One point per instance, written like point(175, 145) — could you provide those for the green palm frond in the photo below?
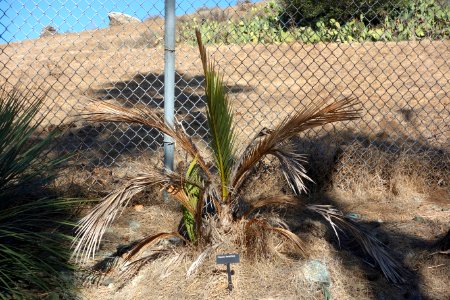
point(193, 193)
point(220, 119)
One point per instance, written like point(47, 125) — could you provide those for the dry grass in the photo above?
point(266, 277)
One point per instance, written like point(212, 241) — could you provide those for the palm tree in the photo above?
point(213, 193)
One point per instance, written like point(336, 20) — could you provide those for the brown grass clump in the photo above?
point(374, 173)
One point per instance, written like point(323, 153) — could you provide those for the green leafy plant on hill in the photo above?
point(213, 204)
point(415, 20)
point(33, 249)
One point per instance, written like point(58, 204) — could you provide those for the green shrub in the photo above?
point(308, 12)
point(418, 19)
point(33, 252)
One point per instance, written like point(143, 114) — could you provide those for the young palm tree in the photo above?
point(212, 194)
point(33, 251)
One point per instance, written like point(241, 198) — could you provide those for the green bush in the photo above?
point(418, 19)
point(33, 249)
point(309, 12)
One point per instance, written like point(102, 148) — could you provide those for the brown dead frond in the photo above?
point(133, 268)
point(93, 226)
point(272, 200)
point(392, 269)
point(310, 117)
point(256, 231)
point(148, 242)
point(292, 166)
point(108, 112)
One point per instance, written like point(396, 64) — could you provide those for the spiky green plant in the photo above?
point(33, 251)
point(213, 195)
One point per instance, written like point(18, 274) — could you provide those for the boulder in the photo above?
point(48, 31)
point(116, 18)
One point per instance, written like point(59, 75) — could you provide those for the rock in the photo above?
point(353, 216)
point(419, 219)
point(108, 281)
point(134, 225)
point(48, 31)
point(138, 207)
point(117, 18)
point(316, 271)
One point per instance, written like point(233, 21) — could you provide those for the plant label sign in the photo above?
point(228, 259)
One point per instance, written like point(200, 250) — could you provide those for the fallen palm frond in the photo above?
point(264, 224)
point(310, 117)
point(391, 268)
point(134, 267)
point(108, 112)
point(148, 242)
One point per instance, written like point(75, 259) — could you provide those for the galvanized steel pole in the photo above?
point(169, 79)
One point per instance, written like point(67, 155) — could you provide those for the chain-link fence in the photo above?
point(276, 56)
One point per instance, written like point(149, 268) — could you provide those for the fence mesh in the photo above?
point(277, 57)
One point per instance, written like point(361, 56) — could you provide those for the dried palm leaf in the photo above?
point(292, 166)
point(310, 117)
point(199, 261)
point(391, 268)
point(273, 200)
point(264, 224)
point(93, 226)
point(220, 119)
point(147, 242)
point(133, 268)
point(108, 112)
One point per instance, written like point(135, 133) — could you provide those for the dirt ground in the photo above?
point(391, 167)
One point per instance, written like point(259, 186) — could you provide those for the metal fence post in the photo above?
point(169, 79)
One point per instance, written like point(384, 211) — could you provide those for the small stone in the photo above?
point(353, 216)
point(138, 207)
point(316, 271)
point(108, 282)
point(419, 219)
point(134, 225)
